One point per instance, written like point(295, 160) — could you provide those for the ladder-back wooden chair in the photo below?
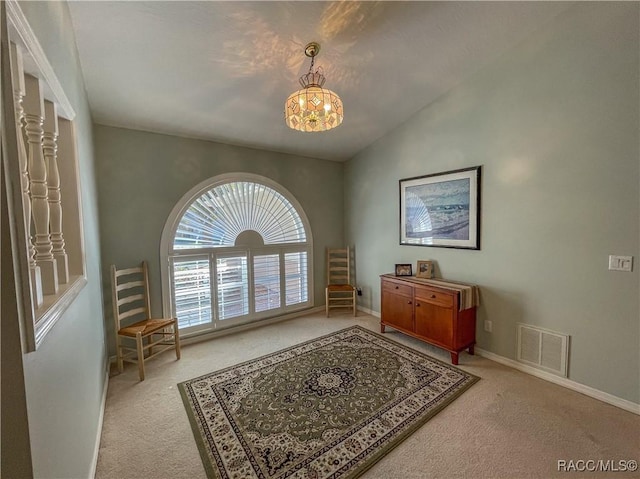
point(130, 288)
point(339, 293)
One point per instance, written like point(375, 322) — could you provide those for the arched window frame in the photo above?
point(167, 252)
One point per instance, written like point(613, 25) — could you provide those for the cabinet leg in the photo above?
point(454, 358)
point(471, 349)
point(381, 328)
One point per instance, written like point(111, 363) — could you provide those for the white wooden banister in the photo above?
point(17, 72)
point(45, 172)
point(50, 149)
point(34, 116)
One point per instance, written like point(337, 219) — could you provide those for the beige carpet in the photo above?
point(509, 425)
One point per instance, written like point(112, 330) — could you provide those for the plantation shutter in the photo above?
point(266, 278)
point(233, 288)
point(192, 291)
point(295, 266)
point(240, 252)
point(217, 218)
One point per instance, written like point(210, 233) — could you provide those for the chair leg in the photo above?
point(176, 338)
point(140, 355)
point(119, 354)
point(326, 298)
point(354, 302)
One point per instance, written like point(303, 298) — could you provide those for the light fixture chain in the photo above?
point(313, 59)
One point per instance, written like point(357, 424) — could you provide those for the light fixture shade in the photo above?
point(313, 109)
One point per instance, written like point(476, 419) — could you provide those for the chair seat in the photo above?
point(340, 287)
point(131, 302)
point(145, 327)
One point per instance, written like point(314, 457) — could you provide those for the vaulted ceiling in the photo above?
point(222, 71)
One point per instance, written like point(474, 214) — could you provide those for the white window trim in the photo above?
point(178, 211)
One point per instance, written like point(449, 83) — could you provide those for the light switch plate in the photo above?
point(620, 263)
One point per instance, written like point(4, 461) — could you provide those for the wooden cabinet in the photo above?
point(428, 312)
point(397, 305)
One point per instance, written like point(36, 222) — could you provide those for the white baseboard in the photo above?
point(567, 383)
point(369, 311)
point(96, 451)
point(196, 338)
point(204, 336)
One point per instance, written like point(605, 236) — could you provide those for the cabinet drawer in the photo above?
point(434, 297)
point(392, 287)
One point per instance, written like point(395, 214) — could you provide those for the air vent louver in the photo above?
point(543, 349)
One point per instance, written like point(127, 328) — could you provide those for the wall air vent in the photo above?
point(543, 349)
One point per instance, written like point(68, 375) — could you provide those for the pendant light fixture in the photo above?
point(313, 108)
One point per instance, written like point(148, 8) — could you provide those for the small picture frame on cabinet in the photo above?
point(404, 270)
point(424, 269)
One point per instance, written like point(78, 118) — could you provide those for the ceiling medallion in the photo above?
point(313, 108)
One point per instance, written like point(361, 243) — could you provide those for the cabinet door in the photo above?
point(397, 310)
point(435, 323)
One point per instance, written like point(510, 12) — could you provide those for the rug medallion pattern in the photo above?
point(330, 407)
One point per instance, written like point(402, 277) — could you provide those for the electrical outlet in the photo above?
point(488, 326)
point(620, 263)
point(359, 290)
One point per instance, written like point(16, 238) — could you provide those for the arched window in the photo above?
point(237, 248)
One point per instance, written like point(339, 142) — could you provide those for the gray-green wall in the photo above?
point(64, 378)
point(555, 125)
point(141, 177)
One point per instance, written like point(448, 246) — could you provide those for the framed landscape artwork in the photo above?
point(442, 209)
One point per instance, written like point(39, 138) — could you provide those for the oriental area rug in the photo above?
point(330, 407)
